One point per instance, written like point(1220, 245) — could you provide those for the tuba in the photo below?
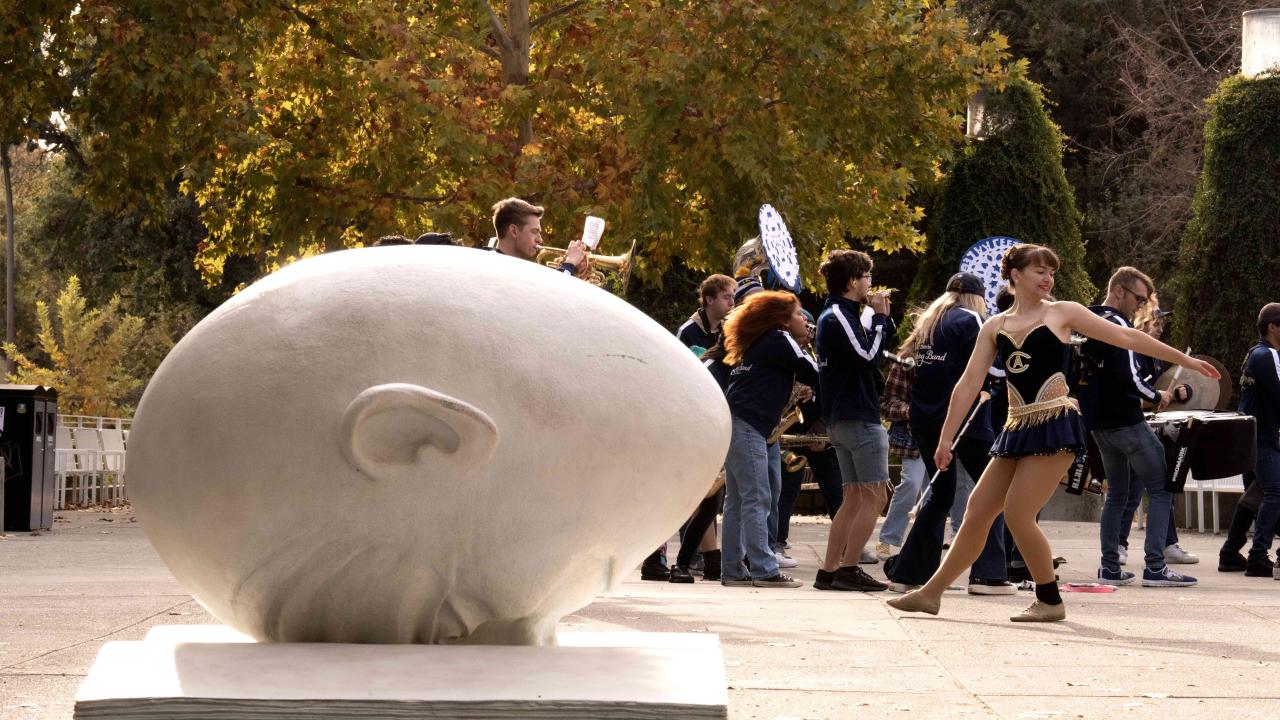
point(599, 268)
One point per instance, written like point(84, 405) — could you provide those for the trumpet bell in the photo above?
point(600, 268)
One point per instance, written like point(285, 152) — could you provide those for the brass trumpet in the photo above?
point(596, 266)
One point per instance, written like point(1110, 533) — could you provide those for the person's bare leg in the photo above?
point(1033, 484)
point(840, 529)
point(871, 497)
point(709, 540)
point(985, 503)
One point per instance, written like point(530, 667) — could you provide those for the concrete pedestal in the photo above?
point(213, 672)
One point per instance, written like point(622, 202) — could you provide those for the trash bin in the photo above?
point(28, 421)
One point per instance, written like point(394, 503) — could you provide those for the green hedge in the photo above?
point(1229, 262)
point(1009, 184)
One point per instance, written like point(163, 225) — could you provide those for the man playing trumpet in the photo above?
point(518, 227)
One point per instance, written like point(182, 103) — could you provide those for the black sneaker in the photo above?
point(654, 571)
point(777, 581)
point(852, 577)
point(680, 574)
point(824, 580)
point(1234, 562)
point(988, 586)
point(1259, 567)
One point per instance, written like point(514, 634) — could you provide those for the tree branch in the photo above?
point(54, 135)
point(501, 32)
point(553, 14)
point(314, 25)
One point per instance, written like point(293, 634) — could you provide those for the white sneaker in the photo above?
point(1176, 555)
point(1124, 555)
point(784, 561)
point(901, 588)
point(867, 557)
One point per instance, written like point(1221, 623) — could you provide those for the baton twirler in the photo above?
point(982, 398)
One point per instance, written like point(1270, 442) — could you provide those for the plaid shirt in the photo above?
point(895, 404)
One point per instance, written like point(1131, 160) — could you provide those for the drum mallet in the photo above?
point(982, 398)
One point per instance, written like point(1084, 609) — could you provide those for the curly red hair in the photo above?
point(758, 314)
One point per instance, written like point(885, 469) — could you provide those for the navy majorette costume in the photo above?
point(1043, 419)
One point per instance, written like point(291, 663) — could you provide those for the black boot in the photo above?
point(711, 565)
point(653, 569)
point(1258, 566)
point(681, 574)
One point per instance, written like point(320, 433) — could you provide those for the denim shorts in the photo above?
point(862, 449)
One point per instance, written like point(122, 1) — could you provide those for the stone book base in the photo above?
point(194, 672)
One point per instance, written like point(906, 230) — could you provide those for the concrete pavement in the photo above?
point(1205, 652)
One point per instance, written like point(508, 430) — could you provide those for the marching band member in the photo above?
point(518, 225)
point(703, 330)
point(1260, 397)
point(849, 355)
point(942, 342)
point(1043, 434)
point(715, 300)
point(760, 339)
point(1111, 392)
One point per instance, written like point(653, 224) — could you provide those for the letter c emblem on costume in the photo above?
point(1017, 362)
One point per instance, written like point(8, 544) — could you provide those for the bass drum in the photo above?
point(1210, 445)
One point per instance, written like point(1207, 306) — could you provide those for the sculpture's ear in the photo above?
point(395, 431)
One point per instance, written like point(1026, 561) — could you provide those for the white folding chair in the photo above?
point(1233, 484)
point(88, 459)
point(113, 463)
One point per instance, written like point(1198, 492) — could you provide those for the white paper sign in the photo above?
point(592, 230)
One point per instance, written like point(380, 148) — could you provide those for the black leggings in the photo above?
point(922, 549)
point(702, 519)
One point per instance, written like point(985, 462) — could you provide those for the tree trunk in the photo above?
point(8, 256)
point(515, 56)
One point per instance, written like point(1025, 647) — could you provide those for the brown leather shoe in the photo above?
point(916, 602)
point(1040, 612)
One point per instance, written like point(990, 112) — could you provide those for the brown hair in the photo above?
point(1024, 255)
point(1124, 275)
point(512, 211)
point(1268, 315)
point(841, 266)
point(713, 286)
point(387, 240)
point(758, 314)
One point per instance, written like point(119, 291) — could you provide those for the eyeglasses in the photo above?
point(1142, 299)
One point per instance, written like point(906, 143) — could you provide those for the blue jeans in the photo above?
point(775, 495)
point(1134, 459)
point(1267, 472)
point(748, 492)
point(894, 528)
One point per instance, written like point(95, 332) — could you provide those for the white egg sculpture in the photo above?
point(419, 445)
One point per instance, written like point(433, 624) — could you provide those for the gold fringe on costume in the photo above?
point(1051, 402)
point(1037, 413)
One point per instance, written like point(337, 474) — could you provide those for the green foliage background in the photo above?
point(1009, 184)
point(1229, 264)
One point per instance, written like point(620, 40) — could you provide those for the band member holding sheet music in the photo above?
point(941, 342)
point(518, 225)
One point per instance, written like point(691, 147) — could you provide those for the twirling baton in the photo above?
point(982, 398)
